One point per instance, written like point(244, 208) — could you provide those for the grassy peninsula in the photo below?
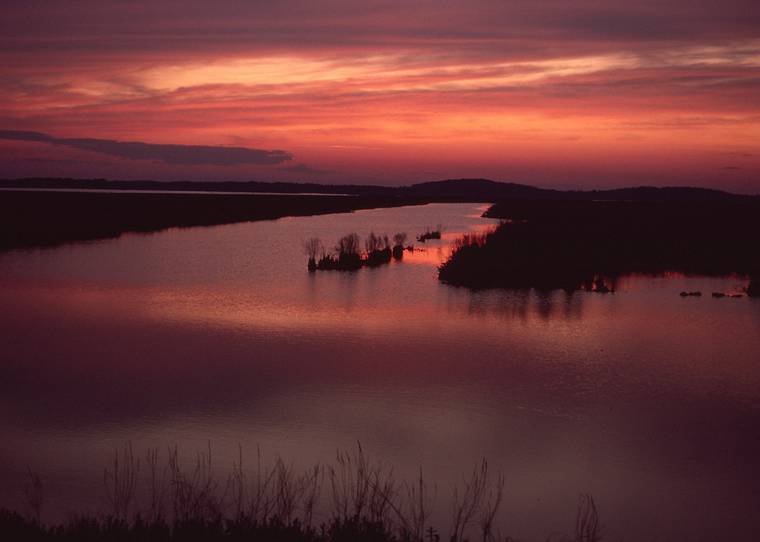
point(38, 219)
point(565, 244)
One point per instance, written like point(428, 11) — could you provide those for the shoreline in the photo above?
point(38, 219)
point(587, 245)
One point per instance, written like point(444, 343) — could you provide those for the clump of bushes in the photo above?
point(348, 255)
point(377, 249)
point(430, 234)
point(399, 244)
point(314, 250)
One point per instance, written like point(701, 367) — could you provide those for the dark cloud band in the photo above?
point(304, 169)
point(171, 154)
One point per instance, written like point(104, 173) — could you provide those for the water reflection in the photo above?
point(645, 399)
point(527, 305)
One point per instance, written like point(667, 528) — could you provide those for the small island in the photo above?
point(348, 255)
point(429, 234)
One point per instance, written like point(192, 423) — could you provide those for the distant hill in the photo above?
point(487, 190)
point(665, 193)
point(479, 190)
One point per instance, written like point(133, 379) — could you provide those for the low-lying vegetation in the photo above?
point(429, 234)
point(351, 499)
point(38, 219)
point(753, 290)
point(587, 245)
point(348, 254)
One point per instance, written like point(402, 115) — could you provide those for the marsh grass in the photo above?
point(588, 245)
point(33, 496)
point(351, 498)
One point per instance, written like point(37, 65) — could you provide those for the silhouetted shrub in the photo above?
point(348, 257)
point(314, 250)
point(398, 245)
point(430, 234)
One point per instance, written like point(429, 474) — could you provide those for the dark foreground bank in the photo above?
point(37, 219)
point(351, 499)
point(588, 244)
point(16, 527)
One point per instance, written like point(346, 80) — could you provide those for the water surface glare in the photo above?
point(649, 401)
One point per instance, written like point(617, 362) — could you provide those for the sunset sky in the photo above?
point(568, 94)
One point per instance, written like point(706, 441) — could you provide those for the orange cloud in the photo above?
point(570, 95)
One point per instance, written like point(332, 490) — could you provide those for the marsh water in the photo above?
point(647, 400)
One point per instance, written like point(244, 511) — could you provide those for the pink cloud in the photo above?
point(586, 92)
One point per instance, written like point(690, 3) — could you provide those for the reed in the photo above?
point(351, 498)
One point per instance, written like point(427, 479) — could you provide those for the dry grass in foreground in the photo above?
point(150, 499)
